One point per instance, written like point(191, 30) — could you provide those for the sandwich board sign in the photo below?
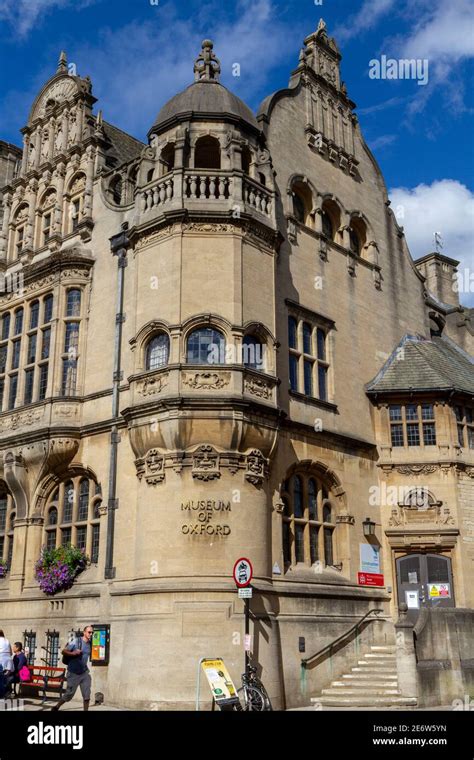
point(222, 687)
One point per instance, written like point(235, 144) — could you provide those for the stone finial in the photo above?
point(207, 67)
point(321, 26)
point(62, 63)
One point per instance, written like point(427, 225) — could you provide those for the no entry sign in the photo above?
point(243, 572)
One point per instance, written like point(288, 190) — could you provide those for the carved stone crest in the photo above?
point(256, 467)
point(206, 463)
point(258, 387)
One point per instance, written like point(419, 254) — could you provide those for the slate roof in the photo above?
point(124, 147)
point(419, 364)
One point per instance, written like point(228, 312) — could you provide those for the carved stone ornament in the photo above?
point(417, 469)
point(154, 467)
point(19, 420)
point(258, 387)
point(151, 386)
point(206, 463)
point(256, 467)
point(345, 519)
point(79, 185)
point(207, 380)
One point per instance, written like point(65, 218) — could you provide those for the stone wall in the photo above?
point(444, 640)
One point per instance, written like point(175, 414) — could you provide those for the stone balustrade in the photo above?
point(182, 188)
point(257, 196)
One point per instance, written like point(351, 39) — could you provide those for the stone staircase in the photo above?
point(373, 682)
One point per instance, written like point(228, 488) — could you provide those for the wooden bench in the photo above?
point(43, 678)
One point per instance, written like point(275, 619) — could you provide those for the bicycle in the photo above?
point(254, 693)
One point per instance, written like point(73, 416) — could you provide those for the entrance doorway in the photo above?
point(424, 580)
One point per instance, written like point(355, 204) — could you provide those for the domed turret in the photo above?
point(206, 98)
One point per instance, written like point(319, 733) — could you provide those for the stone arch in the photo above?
point(52, 481)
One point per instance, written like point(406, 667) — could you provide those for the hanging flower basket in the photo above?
point(3, 569)
point(58, 568)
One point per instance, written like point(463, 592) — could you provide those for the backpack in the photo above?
point(66, 658)
point(24, 673)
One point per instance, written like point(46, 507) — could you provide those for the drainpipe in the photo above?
point(118, 246)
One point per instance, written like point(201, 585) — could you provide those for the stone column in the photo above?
point(58, 209)
point(24, 158)
point(7, 199)
point(30, 226)
point(87, 208)
point(406, 655)
point(37, 138)
point(65, 126)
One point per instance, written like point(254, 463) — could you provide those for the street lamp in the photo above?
point(369, 527)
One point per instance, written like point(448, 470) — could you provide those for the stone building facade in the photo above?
point(218, 345)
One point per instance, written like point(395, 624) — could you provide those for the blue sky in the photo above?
point(141, 52)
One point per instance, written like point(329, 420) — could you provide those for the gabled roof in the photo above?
point(421, 364)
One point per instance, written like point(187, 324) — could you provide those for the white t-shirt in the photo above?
point(5, 651)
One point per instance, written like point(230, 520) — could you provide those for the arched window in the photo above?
point(157, 352)
point(167, 158)
point(206, 346)
point(70, 516)
point(116, 189)
point(7, 517)
point(18, 326)
point(76, 193)
point(20, 220)
point(246, 159)
point(46, 218)
point(328, 230)
point(253, 353)
point(34, 315)
point(83, 510)
point(357, 235)
point(302, 203)
point(308, 521)
point(73, 303)
point(70, 355)
point(150, 175)
point(207, 153)
point(68, 502)
point(47, 309)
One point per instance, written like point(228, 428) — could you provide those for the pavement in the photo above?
point(75, 705)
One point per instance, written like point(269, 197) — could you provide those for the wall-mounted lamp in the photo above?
point(369, 527)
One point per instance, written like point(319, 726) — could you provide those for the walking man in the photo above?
point(78, 653)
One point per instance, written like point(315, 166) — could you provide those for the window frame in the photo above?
point(304, 524)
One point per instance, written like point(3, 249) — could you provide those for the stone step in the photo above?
point(382, 666)
point(361, 701)
point(366, 684)
point(386, 648)
point(368, 677)
point(360, 693)
point(379, 656)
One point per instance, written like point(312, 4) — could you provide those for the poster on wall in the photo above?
point(100, 645)
point(412, 600)
point(439, 590)
point(369, 558)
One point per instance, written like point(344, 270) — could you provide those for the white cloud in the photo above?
point(445, 206)
point(157, 56)
point(22, 15)
point(444, 36)
point(367, 17)
point(382, 141)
